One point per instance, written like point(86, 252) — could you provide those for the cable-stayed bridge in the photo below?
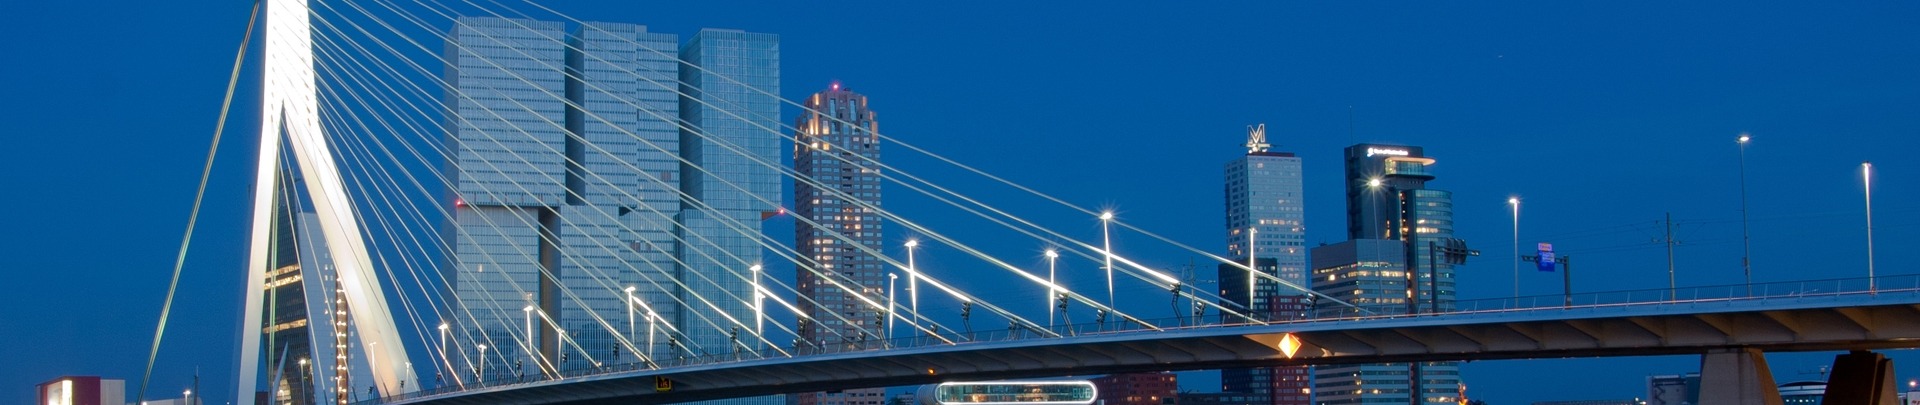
point(487, 205)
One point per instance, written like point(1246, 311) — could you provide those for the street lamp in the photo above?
point(1252, 233)
point(529, 310)
point(1373, 209)
point(1515, 202)
point(1866, 178)
point(891, 278)
point(759, 309)
point(630, 323)
point(1106, 240)
point(913, 289)
point(1052, 286)
point(481, 377)
point(443, 350)
point(1746, 240)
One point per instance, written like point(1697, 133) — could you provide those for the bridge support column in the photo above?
point(1861, 378)
point(1736, 376)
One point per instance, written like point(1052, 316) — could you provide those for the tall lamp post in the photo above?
point(759, 309)
point(443, 353)
point(1515, 202)
point(1253, 271)
point(630, 313)
point(530, 337)
point(1746, 240)
point(480, 377)
point(913, 290)
point(891, 278)
point(1106, 241)
point(1053, 288)
point(1866, 178)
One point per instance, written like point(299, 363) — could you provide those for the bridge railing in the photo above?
point(1716, 295)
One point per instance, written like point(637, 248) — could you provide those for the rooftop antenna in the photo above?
point(1350, 124)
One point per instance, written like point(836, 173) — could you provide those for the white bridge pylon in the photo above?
point(290, 107)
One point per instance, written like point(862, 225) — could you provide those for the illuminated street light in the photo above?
point(529, 310)
point(891, 278)
point(1106, 240)
point(1052, 285)
point(1746, 240)
point(759, 311)
point(1252, 273)
point(1515, 202)
point(1866, 178)
point(443, 351)
point(913, 289)
point(630, 323)
point(482, 375)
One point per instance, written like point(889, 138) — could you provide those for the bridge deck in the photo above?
point(1837, 321)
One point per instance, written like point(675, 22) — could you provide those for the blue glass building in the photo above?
point(590, 164)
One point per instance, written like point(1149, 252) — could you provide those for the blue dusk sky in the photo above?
point(1602, 116)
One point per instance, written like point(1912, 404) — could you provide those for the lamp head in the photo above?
point(1374, 182)
point(1108, 215)
point(1744, 137)
point(913, 243)
point(1052, 254)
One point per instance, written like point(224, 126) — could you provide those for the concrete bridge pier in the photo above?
point(1861, 378)
point(1737, 377)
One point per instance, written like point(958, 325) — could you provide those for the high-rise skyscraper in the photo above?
point(729, 80)
point(571, 194)
point(1393, 221)
point(1265, 228)
point(837, 152)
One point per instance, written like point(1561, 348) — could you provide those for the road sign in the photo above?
point(1546, 257)
point(662, 384)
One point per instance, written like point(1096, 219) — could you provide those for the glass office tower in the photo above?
point(1392, 221)
point(570, 193)
point(1265, 229)
point(728, 83)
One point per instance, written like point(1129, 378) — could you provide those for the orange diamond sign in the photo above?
point(1289, 345)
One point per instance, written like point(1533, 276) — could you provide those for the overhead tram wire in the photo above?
point(781, 326)
point(193, 217)
point(976, 171)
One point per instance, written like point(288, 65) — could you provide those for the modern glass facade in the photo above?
point(506, 132)
point(570, 192)
point(1393, 222)
point(728, 83)
point(1265, 221)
